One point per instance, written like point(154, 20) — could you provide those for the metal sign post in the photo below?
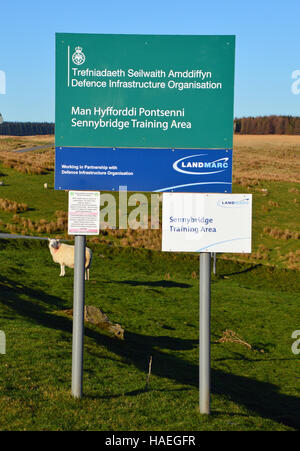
point(206, 223)
point(83, 219)
point(78, 316)
point(204, 333)
point(214, 263)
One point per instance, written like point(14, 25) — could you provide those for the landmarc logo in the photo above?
point(233, 203)
point(196, 165)
point(78, 56)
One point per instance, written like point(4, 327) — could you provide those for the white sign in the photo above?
point(84, 213)
point(206, 222)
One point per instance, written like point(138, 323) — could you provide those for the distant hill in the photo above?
point(268, 125)
point(27, 128)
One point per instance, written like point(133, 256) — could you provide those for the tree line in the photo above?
point(268, 125)
point(259, 125)
point(26, 128)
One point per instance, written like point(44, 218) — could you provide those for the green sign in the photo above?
point(144, 91)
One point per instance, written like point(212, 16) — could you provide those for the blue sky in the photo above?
point(267, 45)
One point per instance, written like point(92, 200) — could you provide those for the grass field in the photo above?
point(154, 296)
point(267, 157)
point(268, 167)
point(255, 388)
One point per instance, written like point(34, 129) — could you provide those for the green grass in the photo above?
point(154, 296)
point(251, 389)
point(43, 203)
point(29, 189)
point(284, 216)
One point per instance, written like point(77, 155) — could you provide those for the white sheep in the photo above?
point(64, 255)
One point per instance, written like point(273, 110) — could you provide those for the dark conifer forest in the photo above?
point(259, 125)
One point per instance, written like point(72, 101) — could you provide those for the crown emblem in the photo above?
point(78, 56)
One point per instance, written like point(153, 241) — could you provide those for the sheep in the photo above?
point(64, 255)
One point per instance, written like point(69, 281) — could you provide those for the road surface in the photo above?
point(29, 149)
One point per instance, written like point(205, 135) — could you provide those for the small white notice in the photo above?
point(84, 213)
point(206, 222)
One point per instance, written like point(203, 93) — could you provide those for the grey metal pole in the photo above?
point(204, 333)
point(215, 263)
point(78, 316)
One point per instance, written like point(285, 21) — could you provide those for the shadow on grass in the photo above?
point(157, 283)
point(141, 391)
point(243, 271)
point(262, 398)
point(33, 304)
